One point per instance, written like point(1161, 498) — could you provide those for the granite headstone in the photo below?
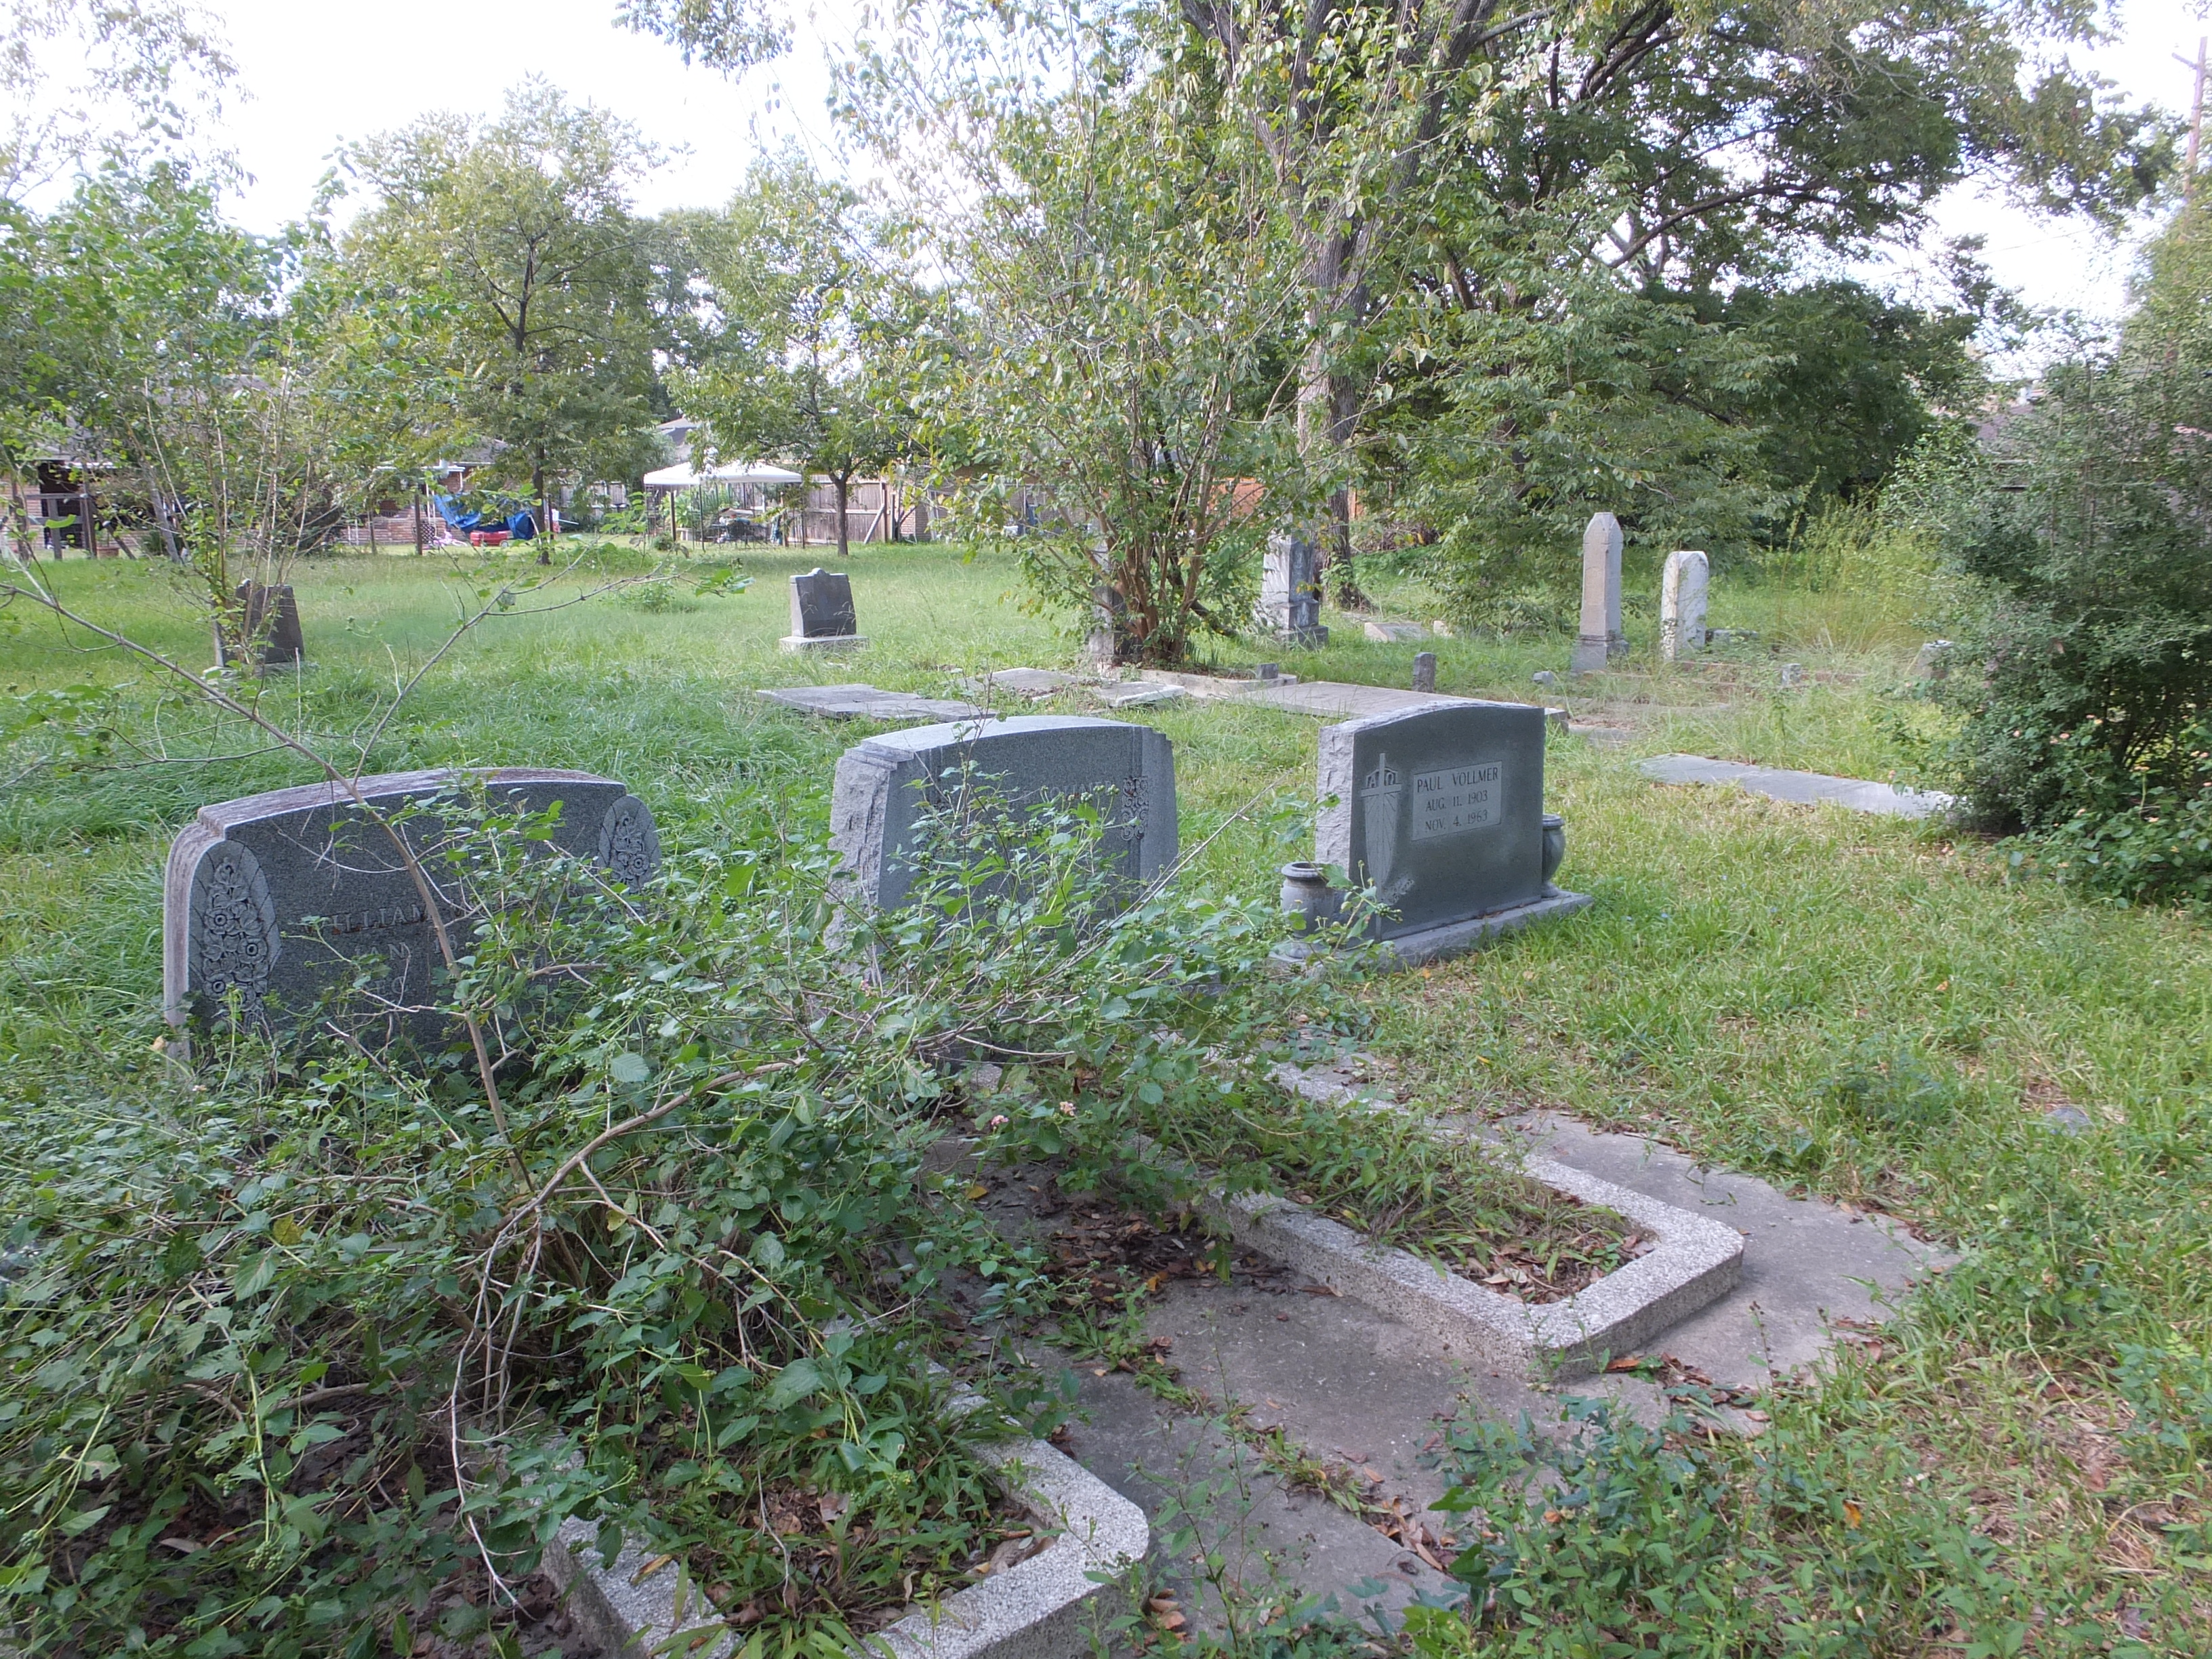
point(1290, 591)
point(1441, 811)
point(886, 785)
point(1425, 671)
point(1682, 604)
point(278, 897)
point(1601, 639)
point(268, 623)
point(822, 615)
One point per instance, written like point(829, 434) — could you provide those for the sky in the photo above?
point(319, 74)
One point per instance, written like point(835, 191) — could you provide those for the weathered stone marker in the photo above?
point(1682, 604)
point(1425, 671)
point(271, 620)
point(887, 784)
point(1441, 811)
point(822, 615)
point(1290, 591)
point(1601, 639)
point(1934, 661)
point(278, 897)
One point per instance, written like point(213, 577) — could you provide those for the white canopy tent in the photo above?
point(681, 476)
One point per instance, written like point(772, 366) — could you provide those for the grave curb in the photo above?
point(1033, 1610)
point(1696, 1263)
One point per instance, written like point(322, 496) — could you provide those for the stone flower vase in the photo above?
point(1555, 847)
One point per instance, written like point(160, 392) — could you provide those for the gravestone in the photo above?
point(279, 895)
point(1792, 676)
point(1934, 661)
point(1290, 591)
point(822, 617)
point(885, 785)
point(1682, 604)
point(1441, 811)
point(1601, 639)
point(1425, 671)
point(271, 627)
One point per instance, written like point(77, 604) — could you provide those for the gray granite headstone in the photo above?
point(1682, 604)
point(822, 615)
point(279, 895)
point(1440, 809)
point(886, 785)
point(1600, 638)
point(270, 619)
point(1425, 671)
point(1290, 591)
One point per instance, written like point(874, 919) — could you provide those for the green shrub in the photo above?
point(2085, 672)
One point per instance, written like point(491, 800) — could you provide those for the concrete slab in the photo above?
point(857, 702)
point(1137, 694)
point(1801, 788)
point(1213, 686)
point(1393, 633)
point(1021, 682)
point(1331, 697)
point(1806, 1263)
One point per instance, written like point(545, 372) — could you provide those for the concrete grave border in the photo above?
point(1034, 1609)
point(1697, 1261)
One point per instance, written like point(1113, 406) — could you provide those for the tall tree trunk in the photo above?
point(1328, 408)
point(844, 482)
point(543, 515)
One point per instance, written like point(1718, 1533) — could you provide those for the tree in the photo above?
point(1130, 324)
point(806, 364)
point(522, 228)
point(1490, 158)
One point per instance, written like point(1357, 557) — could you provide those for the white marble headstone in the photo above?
point(1600, 638)
point(1682, 604)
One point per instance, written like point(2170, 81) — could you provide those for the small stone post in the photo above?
point(1600, 638)
point(1425, 671)
point(1682, 604)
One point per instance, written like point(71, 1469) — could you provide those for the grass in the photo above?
point(1855, 1007)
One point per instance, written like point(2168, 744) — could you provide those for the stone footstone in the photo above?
point(278, 896)
point(886, 784)
point(1425, 672)
point(1394, 633)
point(857, 702)
point(1801, 788)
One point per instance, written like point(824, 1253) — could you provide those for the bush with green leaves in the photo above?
point(301, 1333)
point(2086, 675)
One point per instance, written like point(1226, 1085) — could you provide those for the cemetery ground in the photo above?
point(1872, 1011)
